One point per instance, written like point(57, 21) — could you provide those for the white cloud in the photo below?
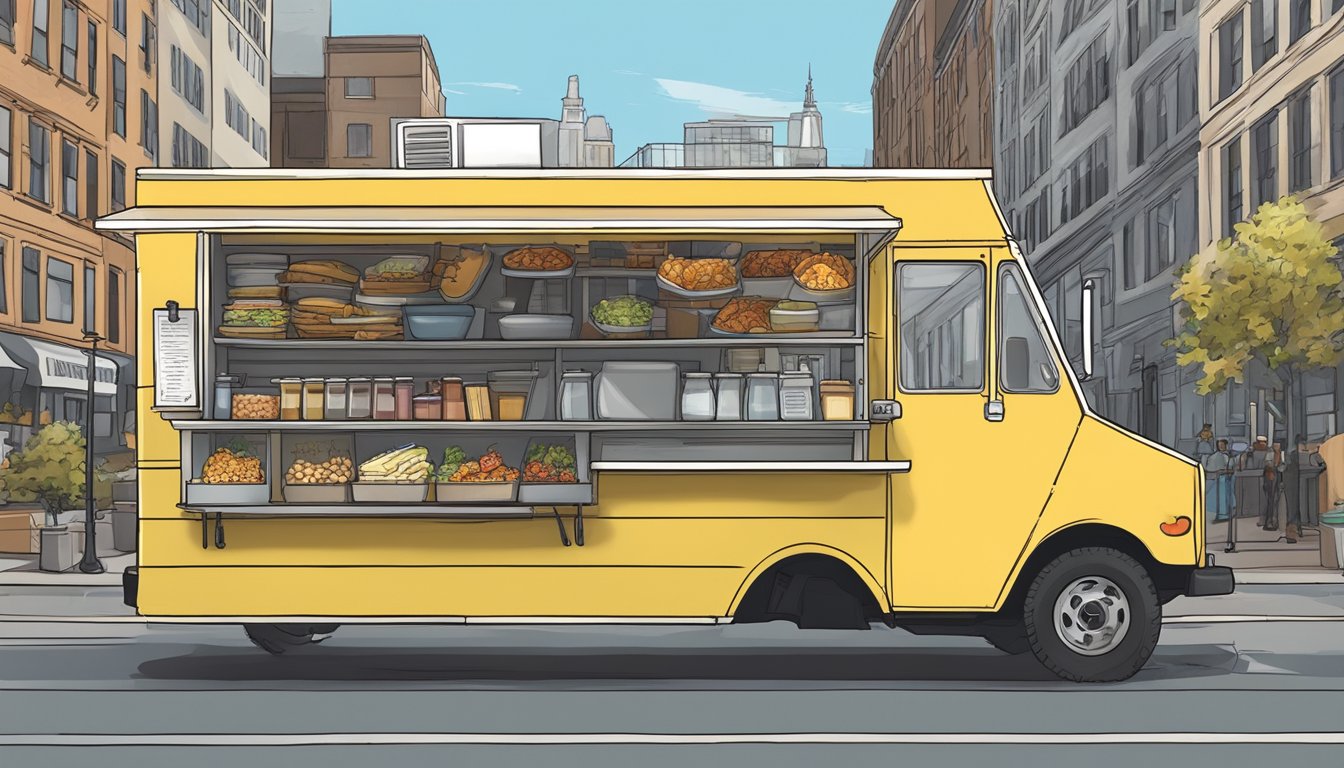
point(496, 86)
point(718, 101)
point(630, 72)
point(855, 107)
point(455, 93)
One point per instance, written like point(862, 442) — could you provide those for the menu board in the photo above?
point(176, 363)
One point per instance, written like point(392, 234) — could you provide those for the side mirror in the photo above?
point(1088, 288)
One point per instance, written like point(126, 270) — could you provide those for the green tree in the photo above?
point(49, 469)
point(1271, 295)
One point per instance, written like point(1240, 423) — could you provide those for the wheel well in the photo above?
point(1170, 580)
point(755, 603)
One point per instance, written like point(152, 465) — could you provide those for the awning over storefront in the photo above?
point(445, 219)
point(57, 366)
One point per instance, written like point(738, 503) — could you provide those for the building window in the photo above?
point(147, 35)
point(247, 54)
point(90, 298)
point(114, 306)
point(187, 78)
point(7, 22)
point(1071, 18)
point(1187, 91)
point(359, 87)
point(236, 116)
point(1086, 181)
point(119, 97)
point(1264, 31)
point(119, 16)
point(1007, 162)
point(1168, 9)
point(1229, 56)
point(93, 59)
point(1162, 237)
point(32, 285)
point(69, 40)
point(69, 178)
point(1086, 85)
point(1265, 160)
point(41, 21)
point(1299, 140)
point(188, 151)
point(149, 125)
point(197, 12)
point(90, 185)
point(39, 161)
point(1337, 119)
point(1299, 19)
point(359, 140)
point(117, 185)
point(60, 291)
point(6, 147)
point(260, 143)
point(1232, 191)
point(1128, 274)
point(4, 287)
point(1133, 35)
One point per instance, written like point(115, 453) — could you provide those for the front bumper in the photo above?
point(1209, 581)
point(130, 586)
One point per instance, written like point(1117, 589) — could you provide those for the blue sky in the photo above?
point(649, 67)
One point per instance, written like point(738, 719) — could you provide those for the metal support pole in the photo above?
point(1231, 515)
point(90, 563)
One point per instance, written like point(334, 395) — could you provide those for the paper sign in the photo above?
point(176, 362)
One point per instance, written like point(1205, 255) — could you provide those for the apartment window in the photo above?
point(1086, 85)
point(41, 20)
point(1162, 237)
point(359, 87)
point(7, 22)
point(359, 140)
point(114, 306)
point(1265, 159)
point(90, 185)
point(147, 35)
point(1133, 34)
point(1229, 56)
point(260, 143)
point(60, 290)
point(188, 151)
point(32, 285)
point(69, 178)
point(1187, 91)
point(1299, 140)
point(1086, 181)
point(236, 116)
point(1168, 10)
point(93, 59)
point(149, 125)
point(39, 161)
point(1072, 17)
point(1232, 192)
point(1336, 118)
point(1127, 271)
point(117, 186)
point(119, 16)
point(187, 78)
point(4, 287)
point(1264, 31)
point(6, 147)
point(197, 12)
point(247, 54)
point(1007, 163)
point(90, 298)
point(69, 40)
point(119, 97)
point(1299, 19)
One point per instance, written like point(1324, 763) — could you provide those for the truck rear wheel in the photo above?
point(1092, 615)
point(276, 639)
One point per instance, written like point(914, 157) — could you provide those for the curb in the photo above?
point(38, 579)
point(1287, 577)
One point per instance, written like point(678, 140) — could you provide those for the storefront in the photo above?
point(42, 381)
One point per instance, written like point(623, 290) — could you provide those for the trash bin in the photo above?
point(124, 526)
point(1332, 523)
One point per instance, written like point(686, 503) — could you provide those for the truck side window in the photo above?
point(1025, 363)
point(941, 311)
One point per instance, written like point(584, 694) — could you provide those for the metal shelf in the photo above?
point(816, 339)
point(214, 425)
point(430, 509)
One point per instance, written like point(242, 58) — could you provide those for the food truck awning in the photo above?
point(435, 219)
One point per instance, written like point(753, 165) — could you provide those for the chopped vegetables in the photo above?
point(623, 311)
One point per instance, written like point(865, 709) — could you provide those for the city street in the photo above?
point(85, 678)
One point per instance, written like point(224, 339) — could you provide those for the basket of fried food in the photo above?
point(743, 316)
point(698, 278)
point(824, 277)
point(322, 318)
point(769, 274)
point(538, 262)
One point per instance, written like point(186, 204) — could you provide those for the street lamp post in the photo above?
point(90, 562)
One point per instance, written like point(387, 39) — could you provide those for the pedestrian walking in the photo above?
point(1253, 462)
point(1292, 490)
point(1271, 483)
point(1218, 482)
point(1204, 445)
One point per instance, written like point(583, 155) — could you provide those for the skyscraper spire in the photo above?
point(809, 101)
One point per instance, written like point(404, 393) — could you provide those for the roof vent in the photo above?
point(425, 145)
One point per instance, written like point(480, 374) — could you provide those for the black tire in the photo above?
point(276, 639)
point(1143, 619)
point(1011, 640)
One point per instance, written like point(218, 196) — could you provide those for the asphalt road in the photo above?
point(87, 684)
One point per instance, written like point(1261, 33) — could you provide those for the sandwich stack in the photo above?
point(254, 318)
point(320, 278)
point(317, 317)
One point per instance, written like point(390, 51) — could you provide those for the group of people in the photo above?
point(1280, 477)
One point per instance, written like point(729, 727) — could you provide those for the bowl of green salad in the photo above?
point(622, 314)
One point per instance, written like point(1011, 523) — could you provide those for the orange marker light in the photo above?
point(1176, 526)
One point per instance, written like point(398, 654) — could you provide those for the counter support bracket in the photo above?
point(205, 529)
point(578, 526)
point(564, 536)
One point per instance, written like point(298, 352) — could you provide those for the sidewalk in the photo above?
point(1268, 553)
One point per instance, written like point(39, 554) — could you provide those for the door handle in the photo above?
point(994, 410)
point(884, 410)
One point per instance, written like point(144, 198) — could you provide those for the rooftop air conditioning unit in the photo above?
point(425, 144)
point(475, 142)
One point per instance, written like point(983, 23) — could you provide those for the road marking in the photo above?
point(457, 622)
point(602, 739)
point(1243, 618)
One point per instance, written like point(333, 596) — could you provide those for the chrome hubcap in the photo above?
point(1092, 615)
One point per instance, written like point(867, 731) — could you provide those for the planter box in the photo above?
point(58, 550)
point(19, 529)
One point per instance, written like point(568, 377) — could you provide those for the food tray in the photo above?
point(768, 287)
point(395, 287)
point(536, 326)
point(296, 291)
point(673, 288)
point(615, 329)
point(389, 492)
point(430, 297)
point(215, 494)
point(536, 274)
point(360, 320)
point(799, 293)
point(555, 493)
point(453, 493)
point(251, 331)
point(317, 493)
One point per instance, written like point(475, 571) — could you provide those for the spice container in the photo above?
point(224, 386)
point(314, 395)
point(337, 394)
point(384, 399)
point(763, 397)
point(359, 398)
point(509, 391)
point(837, 400)
point(728, 400)
point(576, 396)
point(454, 399)
point(291, 399)
point(697, 397)
point(427, 407)
point(796, 401)
point(404, 395)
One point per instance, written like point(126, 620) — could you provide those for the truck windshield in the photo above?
point(1025, 363)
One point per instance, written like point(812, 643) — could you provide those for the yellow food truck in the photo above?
point(831, 397)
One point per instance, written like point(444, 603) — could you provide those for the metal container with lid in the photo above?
point(576, 396)
point(291, 398)
point(384, 399)
point(797, 397)
point(697, 397)
point(728, 397)
point(454, 399)
point(337, 395)
point(762, 397)
point(314, 396)
point(359, 398)
point(224, 387)
point(403, 393)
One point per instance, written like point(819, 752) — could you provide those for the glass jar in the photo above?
point(359, 398)
point(337, 398)
point(291, 399)
point(576, 396)
point(314, 395)
point(763, 397)
point(454, 399)
point(427, 407)
point(224, 386)
point(404, 394)
point(384, 399)
point(728, 398)
point(697, 397)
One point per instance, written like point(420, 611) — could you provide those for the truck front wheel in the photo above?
point(1092, 615)
point(276, 639)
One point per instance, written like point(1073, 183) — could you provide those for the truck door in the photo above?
point(985, 417)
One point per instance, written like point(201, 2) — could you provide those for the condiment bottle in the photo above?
point(454, 399)
point(404, 395)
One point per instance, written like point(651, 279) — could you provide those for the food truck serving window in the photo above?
point(941, 312)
